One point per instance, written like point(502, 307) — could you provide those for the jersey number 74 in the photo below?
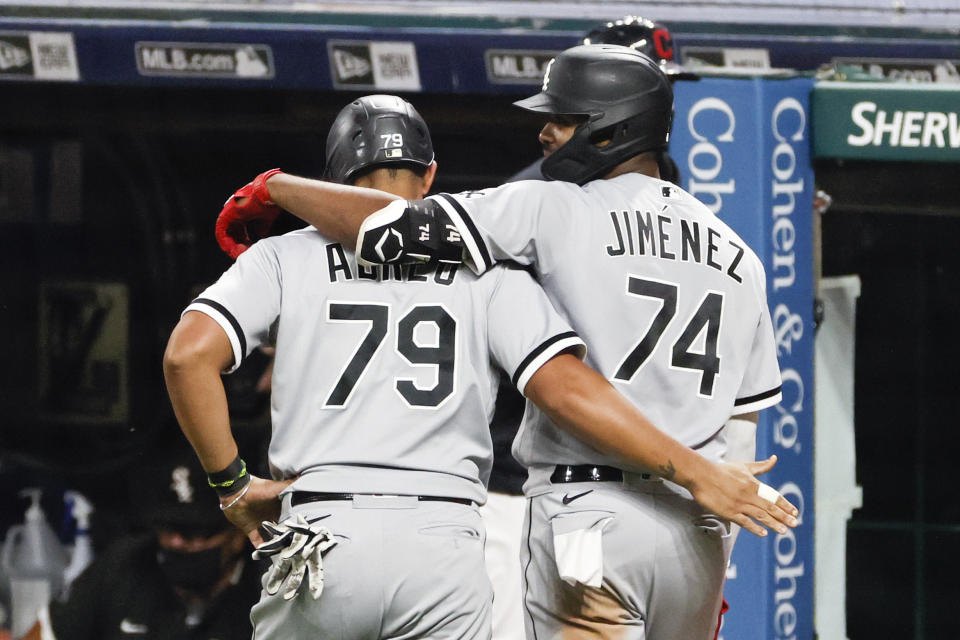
point(707, 316)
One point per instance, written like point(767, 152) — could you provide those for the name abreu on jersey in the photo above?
point(644, 233)
point(343, 268)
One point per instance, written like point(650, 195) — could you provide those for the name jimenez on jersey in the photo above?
point(638, 233)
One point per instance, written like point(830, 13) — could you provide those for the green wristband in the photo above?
point(231, 479)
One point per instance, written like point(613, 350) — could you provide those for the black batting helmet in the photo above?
point(373, 131)
point(627, 102)
point(647, 37)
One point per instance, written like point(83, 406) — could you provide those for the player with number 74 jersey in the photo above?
point(672, 299)
point(672, 305)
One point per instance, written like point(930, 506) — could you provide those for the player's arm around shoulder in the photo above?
point(581, 401)
point(336, 210)
point(518, 221)
point(479, 228)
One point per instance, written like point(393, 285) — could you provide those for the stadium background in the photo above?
point(115, 157)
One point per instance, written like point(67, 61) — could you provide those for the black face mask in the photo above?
point(196, 570)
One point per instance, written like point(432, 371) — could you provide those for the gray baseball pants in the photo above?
point(401, 569)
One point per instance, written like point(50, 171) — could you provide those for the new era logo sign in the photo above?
point(352, 65)
point(14, 54)
point(38, 54)
point(374, 65)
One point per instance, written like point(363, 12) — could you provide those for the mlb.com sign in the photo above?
point(887, 121)
point(743, 148)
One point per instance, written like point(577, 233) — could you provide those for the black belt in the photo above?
point(303, 497)
point(588, 473)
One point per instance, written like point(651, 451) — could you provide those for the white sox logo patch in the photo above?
point(546, 75)
point(180, 483)
point(133, 628)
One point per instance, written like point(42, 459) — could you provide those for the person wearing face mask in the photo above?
point(186, 575)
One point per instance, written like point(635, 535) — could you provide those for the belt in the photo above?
point(303, 497)
point(588, 473)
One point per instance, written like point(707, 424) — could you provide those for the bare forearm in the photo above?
point(192, 363)
point(584, 403)
point(200, 404)
point(336, 210)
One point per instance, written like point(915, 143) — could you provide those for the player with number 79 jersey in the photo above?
point(671, 302)
point(384, 379)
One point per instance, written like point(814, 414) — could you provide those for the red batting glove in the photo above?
point(241, 225)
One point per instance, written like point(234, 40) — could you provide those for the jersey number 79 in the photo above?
point(441, 356)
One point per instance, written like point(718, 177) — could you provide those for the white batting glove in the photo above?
point(296, 549)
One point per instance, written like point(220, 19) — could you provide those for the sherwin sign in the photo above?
point(887, 122)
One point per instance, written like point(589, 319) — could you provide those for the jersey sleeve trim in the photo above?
point(229, 324)
point(758, 401)
point(472, 240)
point(539, 356)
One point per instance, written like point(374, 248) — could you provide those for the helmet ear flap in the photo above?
point(603, 136)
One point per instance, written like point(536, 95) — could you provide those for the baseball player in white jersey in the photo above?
point(381, 398)
point(673, 304)
point(382, 392)
point(654, 40)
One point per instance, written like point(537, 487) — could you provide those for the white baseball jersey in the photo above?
point(671, 301)
point(384, 379)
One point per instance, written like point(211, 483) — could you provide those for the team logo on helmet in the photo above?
point(663, 43)
point(646, 36)
point(546, 75)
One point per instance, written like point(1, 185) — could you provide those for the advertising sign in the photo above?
point(374, 65)
point(743, 148)
point(514, 66)
point(880, 121)
point(204, 60)
point(38, 56)
point(905, 69)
